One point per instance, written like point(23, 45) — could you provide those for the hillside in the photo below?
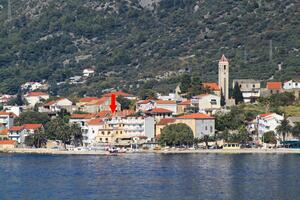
point(140, 39)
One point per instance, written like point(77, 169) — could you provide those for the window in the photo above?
point(211, 129)
point(213, 102)
point(224, 67)
point(206, 128)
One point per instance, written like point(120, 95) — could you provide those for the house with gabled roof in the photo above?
point(207, 102)
point(57, 105)
point(121, 94)
point(19, 133)
point(212, 86)
point(95, 105)
point(201, 124)
point(272, 88)
point(7, 119)
point(34, 98)
point(159, 113)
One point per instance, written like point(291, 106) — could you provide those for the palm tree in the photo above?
point(284, 128)
point(296, 130)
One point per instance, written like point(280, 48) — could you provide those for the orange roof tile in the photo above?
point(118, 93)
point(97, 121)
point(274, 85)
point(54, 101)
point(4, 132)
point(196, 116)
point(7, 142)
point(265, 114)
point(104, 113)
point(82, 116)
point(188, 102)
point(166, 121)
point(88, 99)
point(159, 110)
point(212, 86)
point(3, 113)
point(32, 126)
point(16, 128)
point(165, 102)
point(36, 94)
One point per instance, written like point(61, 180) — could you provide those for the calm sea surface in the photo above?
point(150, 176)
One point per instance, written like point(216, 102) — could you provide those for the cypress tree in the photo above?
point(237, 94)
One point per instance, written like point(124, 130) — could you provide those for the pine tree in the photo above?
point(237, 94)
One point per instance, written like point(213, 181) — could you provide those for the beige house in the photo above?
point(95, 105)
point(207, 102)
point(7, 144)
point(183, 106)
point(4, 134)
point(201, 124)
point(161, 124)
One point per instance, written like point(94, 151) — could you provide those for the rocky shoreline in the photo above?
point(202, 151)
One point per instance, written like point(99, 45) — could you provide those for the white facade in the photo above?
point(33, 99)
point(170, 97)
point(88, 72)
point(90, 132)
point(288, 85)
point(171, 106)
point(139, 126)
point(13, 109)
point(7, 119)
point(207, 102)
point(268, 122)
point(145, 105)
point(205, 127)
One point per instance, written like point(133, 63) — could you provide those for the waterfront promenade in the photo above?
point(175, 151)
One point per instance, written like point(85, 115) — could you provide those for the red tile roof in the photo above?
point(36, 94)
point(165, 102)
point(97, 121)
point(265, 114)
point(274, 85)
point(3, 113)
point(32, 126)
point(82, 116)
point(4, 132)
point(16, 128)
point(54, 101)
point(7, 142)
point(223, 59)
point(166, 121)
point(212, 86)
point(88, 99)
point(188, 102)
point(159, 110)
point(118, 93)
point(196, 116)
point(125, 113)
point(104, 113)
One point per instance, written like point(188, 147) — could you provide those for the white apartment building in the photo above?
point(268, 122)
point(292, 84)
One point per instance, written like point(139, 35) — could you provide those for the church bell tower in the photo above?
point(224, 76)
